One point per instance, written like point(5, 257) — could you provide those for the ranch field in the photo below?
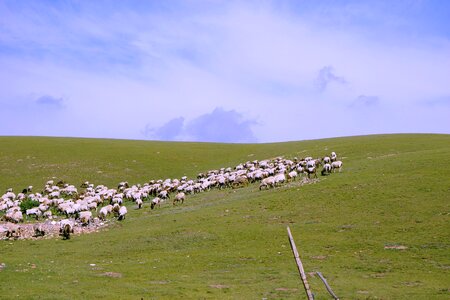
point(380, 229)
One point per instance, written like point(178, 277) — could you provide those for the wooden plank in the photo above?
point(300, 266)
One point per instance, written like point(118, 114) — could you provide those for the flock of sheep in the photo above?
point(79, 207)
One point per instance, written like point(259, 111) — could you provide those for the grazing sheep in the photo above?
point(122, 212)
point(48, 214)
point(13, 215)
point(267, 182)
point(66, 228)
point(311, 170)
point(180, 197)
point(13, 230)
point(240, 181)
point(104, 211)
point(156, 201)
point(292, 175)
point(85, 217)
point(38, 230)
point(279, 178)
point(164, 194)
point(336, 165)
point(139, 203)
point(333, 156)
point(33, 211)
point(326, 169)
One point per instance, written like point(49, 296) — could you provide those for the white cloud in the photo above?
point(217, 126)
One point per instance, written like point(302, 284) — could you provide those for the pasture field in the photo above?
point(380, 229)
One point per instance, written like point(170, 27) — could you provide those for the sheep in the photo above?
point(13, 230)
point(85, 217)
point(292, 175)
point(326, 169)
point(66, 228)
point(267, 182)
point(47, 214)
point(139, 203)
point(122, 212)
point(38, 230)
point(180, 197)
point(279, 178)
point(13, 215)
point(104, 211)
point(336, 165)
point(85, 184)
point(333, 156)
point(27, 190)
point(156, 201)
point(164, 194)
point(115, 209)
point(34, 211)
point(311, 170)
point(240, 181)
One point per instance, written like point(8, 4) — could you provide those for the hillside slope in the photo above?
point(392, 194)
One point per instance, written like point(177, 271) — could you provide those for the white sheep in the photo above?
point(180, 197)
point(85, 217)
point(139, 202)
point(12, 230)
point(279, 178)
point(267, 182)
point(311, 170)
point(35, 211)
point(122, 212)
point(104, 211)
point(336, 165)
point(13, 215)
point(164, 194)
point(333, 156)
point(156, 201)
point(326, 169)
point(292, 175)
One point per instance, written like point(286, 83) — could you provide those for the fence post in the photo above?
point(327, 286)
point(300, 266)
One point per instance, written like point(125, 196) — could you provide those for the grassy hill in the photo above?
point(394, 191)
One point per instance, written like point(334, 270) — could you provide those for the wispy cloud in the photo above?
point(365, 101)
point(438, 101)
point(50, 102)
point(327, 76)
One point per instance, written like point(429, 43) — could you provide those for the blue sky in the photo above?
point(224, 71)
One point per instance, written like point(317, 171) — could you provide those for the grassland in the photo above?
point(394, 191)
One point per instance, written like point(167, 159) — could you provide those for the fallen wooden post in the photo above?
point(327, 286)
point(300, 266)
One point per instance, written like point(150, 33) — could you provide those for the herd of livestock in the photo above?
point(90, 203)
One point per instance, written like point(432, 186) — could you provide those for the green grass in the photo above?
point(232, 244)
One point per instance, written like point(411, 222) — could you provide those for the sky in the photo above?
point(224, 71)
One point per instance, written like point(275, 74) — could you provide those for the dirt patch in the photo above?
point(159, 282)
point(286, 289)
point(111, 274)
point(396, 247)
point(301, 182)
point(219, 286)
point(319, 257)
